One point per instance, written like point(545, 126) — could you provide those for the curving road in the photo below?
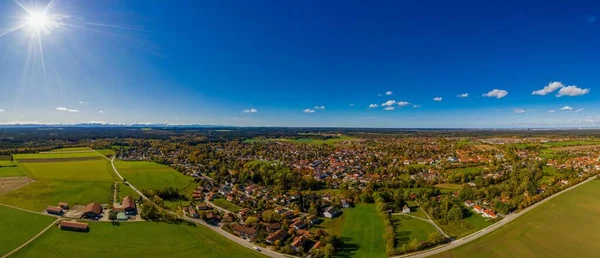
point(508, 218)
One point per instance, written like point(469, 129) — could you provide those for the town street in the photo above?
point(507, 219)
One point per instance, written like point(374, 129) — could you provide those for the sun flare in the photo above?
point(37, 21)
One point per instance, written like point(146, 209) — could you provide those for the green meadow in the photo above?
point(566, 226)
point(11, 168)
point(135, 239)
point(144, 174)
point(19, 226)
point(43, 193)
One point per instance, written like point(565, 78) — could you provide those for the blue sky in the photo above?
point(303, 63)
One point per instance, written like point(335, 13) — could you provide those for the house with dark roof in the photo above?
point(271, 227)
point(243, 231)
point(330, 212)
point(129, 205)
point(298, 243)
point(277, 235)
point(92, 210)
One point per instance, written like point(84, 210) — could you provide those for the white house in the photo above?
point(330, 212)
point(405, 209)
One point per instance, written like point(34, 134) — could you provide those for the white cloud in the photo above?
point(73, 110)
point(496, 93)
point(437, 99)
point(389, 108)
point(308, 110)
point(551, 111)
point(373, 106)
point(83, 102)
point(352, 104)
point(101, 112)
point(61, 108)
point(388, 103)
point(319, 107)
point(578, 110)
point(403, 103)
point(2, 110)
point(566, 108)
point(416, 106)
point(387, 93)
point(519, 111)
point(464, 95)
point(551, 87)
point(252, 110)
point(572, 91)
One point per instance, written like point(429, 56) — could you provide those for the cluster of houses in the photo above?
point(486, 213)
point(276, 231)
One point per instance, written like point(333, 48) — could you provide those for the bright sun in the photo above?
point(37, 21)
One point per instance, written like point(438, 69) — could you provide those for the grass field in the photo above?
point(57, 155)
point(125, 190)
point(43, 193)
point(416, 210)
point(465, 227)
point(18, 227)
point(408, 228)
point(71, 149)
point(138, 239)
point(225, 204)
point(11, 168)
point(90, 170)
point(332, 226)
point(569, 143)
point(566, 226)
point(106, 152)
point(145, 174)
point(363, 232)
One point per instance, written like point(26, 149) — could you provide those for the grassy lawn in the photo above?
point(225, 204)
point(18, 227)
point(137, 239)
point(90, 170)
point(8, 169)
point(416, 210)
point(363, 232)
point(466, 226)
point(125, 190)
point(569, 143)
point(566, 226)
point(144, 174)
point(332, 226)
point(408, 228)
point(43, 193)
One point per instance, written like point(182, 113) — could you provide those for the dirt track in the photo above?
point(8, 184)
point(48, 160)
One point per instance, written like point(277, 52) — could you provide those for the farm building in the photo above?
point(54, 210)
point(129, 205)
point(74, 226)
point(63, 205)
point(405, 209)
point(92, 210)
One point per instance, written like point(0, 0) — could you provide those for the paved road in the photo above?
point(30, 240)
point(508, 218)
